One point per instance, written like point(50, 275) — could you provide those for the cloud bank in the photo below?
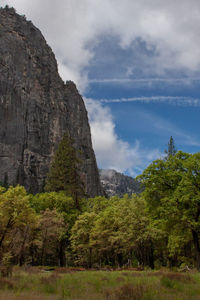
point(158, 37)
point(168, 30)
point(111, 151)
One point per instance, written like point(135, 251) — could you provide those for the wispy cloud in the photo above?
point(113, 152)
point(173, 100)
point(183, 80)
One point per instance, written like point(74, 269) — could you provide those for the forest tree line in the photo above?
point(159, 227)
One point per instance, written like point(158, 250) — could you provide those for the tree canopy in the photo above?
point(64, 173)
point(171, 150)
point(172, 193)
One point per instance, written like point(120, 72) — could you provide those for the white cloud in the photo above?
point(145, 81)
point(173, 100)
point(111, 151)
point(72, 28)
point(115, 153)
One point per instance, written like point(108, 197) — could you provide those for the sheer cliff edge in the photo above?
point(37, 108)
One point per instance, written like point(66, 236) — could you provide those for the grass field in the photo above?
point(37, 284)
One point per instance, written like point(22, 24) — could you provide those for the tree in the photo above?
point(52, 228)
point(187, 195)
point(122, 232)
point(63, 204)
point(114, 234)
point(172, 193)
point(16, 218)
point(171, 151)
point(80, 239)
point(64, 174)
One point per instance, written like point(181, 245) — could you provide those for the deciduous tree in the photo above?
point(172, 192)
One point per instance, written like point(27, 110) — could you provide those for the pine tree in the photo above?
point(171, 151)
point(64, 171)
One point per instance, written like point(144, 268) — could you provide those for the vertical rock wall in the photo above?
point(37, 108)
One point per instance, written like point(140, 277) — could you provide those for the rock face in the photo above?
point(115, 183)
point(37, 108)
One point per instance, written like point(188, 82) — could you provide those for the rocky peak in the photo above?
point(37, 108)
point(115, 183)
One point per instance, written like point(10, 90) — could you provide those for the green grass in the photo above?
point(61, 284)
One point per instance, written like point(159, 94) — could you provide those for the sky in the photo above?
point(137, 66)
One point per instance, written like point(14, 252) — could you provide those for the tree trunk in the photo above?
point(151, 256)
point(9, 225)
point(197, 248)
point(22, 256)
point(62, 257)
point(43, 248)
point(90, 258)
point(119, 260)
point(32, 253)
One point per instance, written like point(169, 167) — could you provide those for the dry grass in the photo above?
point(185, 278)
point(68, 270)
point(26, 296)
point(133, 274)
point(119, 279)
point(70, 284)
point(125, 292)
point(7, 283)
point(51, 279)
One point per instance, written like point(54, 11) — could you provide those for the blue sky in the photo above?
point(137, 65)
point(151, 114)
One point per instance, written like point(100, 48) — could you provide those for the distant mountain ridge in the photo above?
point(115, 183)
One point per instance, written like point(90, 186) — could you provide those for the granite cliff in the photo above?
point(37, 108)
point(115, 183)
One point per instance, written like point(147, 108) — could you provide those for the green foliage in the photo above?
point(59, 201)
point(167, 282)
point(171, 151)
point(15, 211)
point(64, 172)
point(52, 231)
point(172, 190)
point(161, 225)
point(97, 204)
point(34, 228)
point(114, 232)
point(80, 239)
point(64, 205)
point(16, 218)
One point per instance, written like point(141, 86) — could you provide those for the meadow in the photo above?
point(61, 283)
